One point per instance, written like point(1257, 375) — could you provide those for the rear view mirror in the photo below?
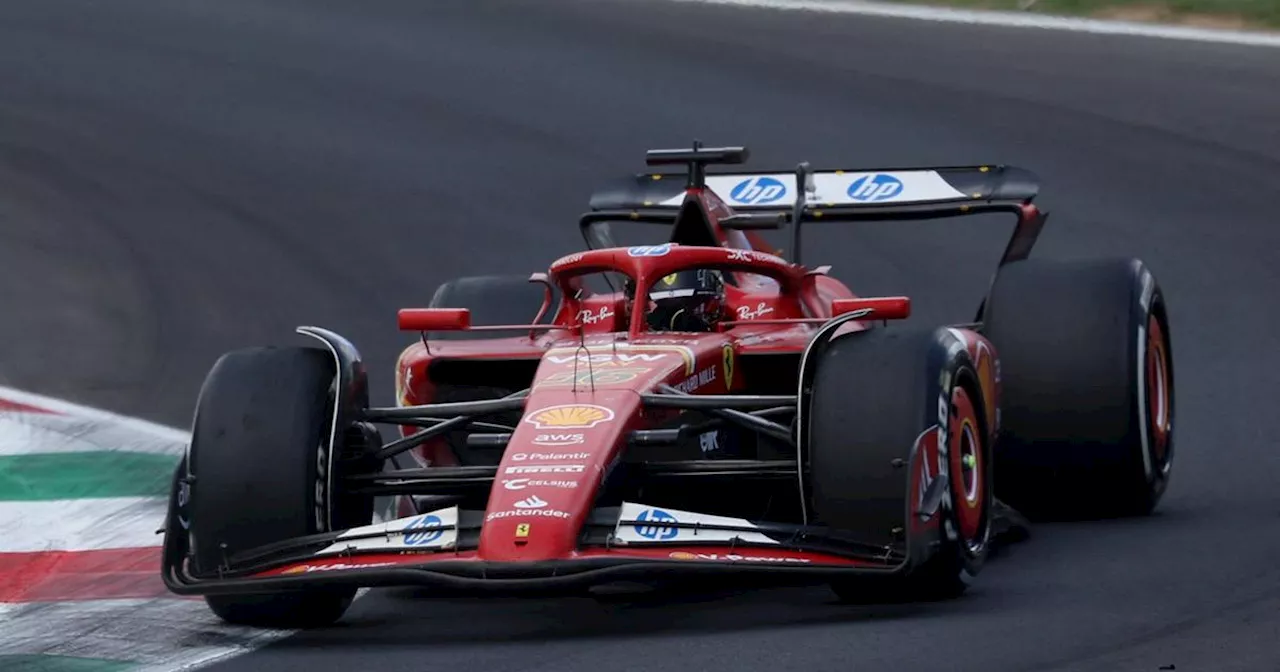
point(434, 319)
point(882, 307)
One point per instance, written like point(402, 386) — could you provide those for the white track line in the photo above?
point(160, 635)
point(23, 433)
point(1011, 19)
point(163, 635)
point(87, 413)
point(81, 524)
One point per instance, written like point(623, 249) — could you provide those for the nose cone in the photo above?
point(584, 402)
point(551, 471)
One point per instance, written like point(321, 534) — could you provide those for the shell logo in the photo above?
point(569, 416)
point(682, 555)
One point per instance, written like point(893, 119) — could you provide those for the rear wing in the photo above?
point(878, 193)
point(770, 200)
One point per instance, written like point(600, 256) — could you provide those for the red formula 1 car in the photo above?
point(700, 405)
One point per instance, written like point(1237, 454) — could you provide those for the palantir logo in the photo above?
point(758, 190)
point(657, 533)
point(877, 187)
point(417, 534)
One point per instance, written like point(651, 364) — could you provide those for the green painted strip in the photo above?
point(47, 476)
point(40, 663)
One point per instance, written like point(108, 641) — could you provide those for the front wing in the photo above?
point(438, 549)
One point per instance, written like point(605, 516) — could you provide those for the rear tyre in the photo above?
point(871, 393)
point(1087, 390)
point(261, 472)
point(492, 299)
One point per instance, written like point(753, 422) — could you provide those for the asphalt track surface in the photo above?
point(178, 178)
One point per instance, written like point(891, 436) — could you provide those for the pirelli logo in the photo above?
point(547, 469)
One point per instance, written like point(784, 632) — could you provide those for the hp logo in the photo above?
point(656, 533)
point(649, 250)
point(416, 535)
point(758, 190)
point(875, 188)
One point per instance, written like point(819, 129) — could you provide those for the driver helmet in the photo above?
point(690, 300)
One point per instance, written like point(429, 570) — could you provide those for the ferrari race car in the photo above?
point(699, 405)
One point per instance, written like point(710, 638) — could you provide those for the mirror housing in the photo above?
point(883, 307)
point(434, 319)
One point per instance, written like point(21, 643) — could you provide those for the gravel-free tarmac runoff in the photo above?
point(183, 177)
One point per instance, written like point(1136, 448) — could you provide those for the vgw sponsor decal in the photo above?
point(620, 354)
point(588, 377)
point(624, 358)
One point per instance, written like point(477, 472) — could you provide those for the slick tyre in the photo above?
point(260, 471)
point(1088, 393)
point(492, 299)
point(873, 397)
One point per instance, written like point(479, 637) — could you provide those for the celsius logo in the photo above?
point(522, 483)
point(757, 190)
point(875, 187)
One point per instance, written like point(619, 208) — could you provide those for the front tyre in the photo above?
point(872, 395)
point(260, 471)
